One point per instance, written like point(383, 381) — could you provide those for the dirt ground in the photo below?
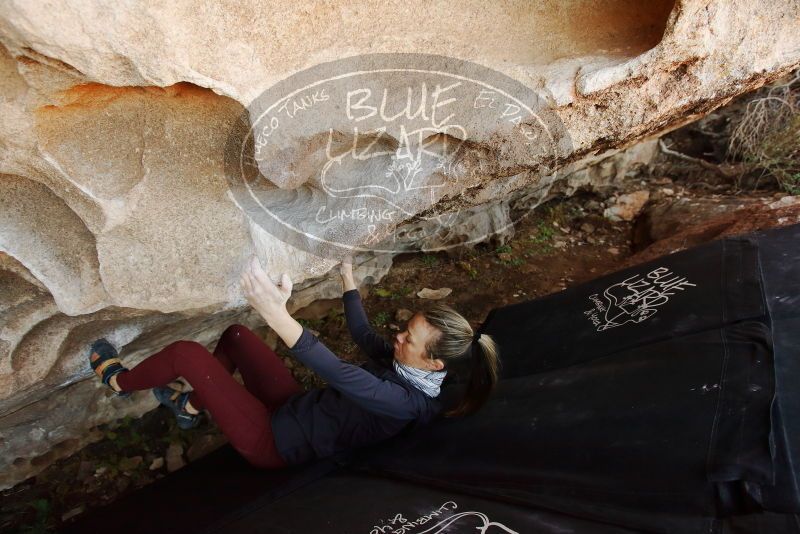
point(562, 243)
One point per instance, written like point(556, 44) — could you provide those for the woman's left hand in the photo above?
point(263, 295)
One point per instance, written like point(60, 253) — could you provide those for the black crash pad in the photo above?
point(660, 398)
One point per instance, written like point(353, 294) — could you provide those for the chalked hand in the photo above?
point(266, 297)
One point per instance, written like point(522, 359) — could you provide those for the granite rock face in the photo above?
point(116, 217)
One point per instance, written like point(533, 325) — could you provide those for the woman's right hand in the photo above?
point(267, 298)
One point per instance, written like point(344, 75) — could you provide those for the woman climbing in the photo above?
point(270, 420)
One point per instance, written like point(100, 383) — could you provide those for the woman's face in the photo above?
point(409, 345)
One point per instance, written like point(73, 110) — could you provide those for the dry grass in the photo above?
point(767, 138)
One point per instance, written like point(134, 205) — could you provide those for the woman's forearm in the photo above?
point(287, 328)
point(348, 283)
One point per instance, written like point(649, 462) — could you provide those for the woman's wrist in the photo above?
point(348, 283)
point(287, 328)
point(271, 313)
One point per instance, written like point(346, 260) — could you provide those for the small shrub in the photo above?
point(336, 317)
point(381, 318)
point(767, 139)
point(384, 293)
point(469, 269)
point(541, 239)
point(544, 233)
point(406, 290)
point(429, 260)
point(560, 212)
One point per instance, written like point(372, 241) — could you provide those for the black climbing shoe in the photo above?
point(176, 401)
point(105, 363)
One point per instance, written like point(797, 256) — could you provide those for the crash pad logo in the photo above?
point(635, 299)
point(375, 152)
point(444, 519)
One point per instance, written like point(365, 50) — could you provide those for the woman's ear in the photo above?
point(438, 364)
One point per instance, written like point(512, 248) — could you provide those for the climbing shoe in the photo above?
point(105, 363)
point(176, 401)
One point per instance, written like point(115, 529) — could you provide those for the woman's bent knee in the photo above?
point(235, 331)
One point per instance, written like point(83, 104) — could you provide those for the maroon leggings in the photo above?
point(243, 413)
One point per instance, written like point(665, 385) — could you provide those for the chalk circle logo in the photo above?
point(373, 152)
point(635, 299)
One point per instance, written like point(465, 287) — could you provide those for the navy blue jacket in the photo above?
point(361, 405)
